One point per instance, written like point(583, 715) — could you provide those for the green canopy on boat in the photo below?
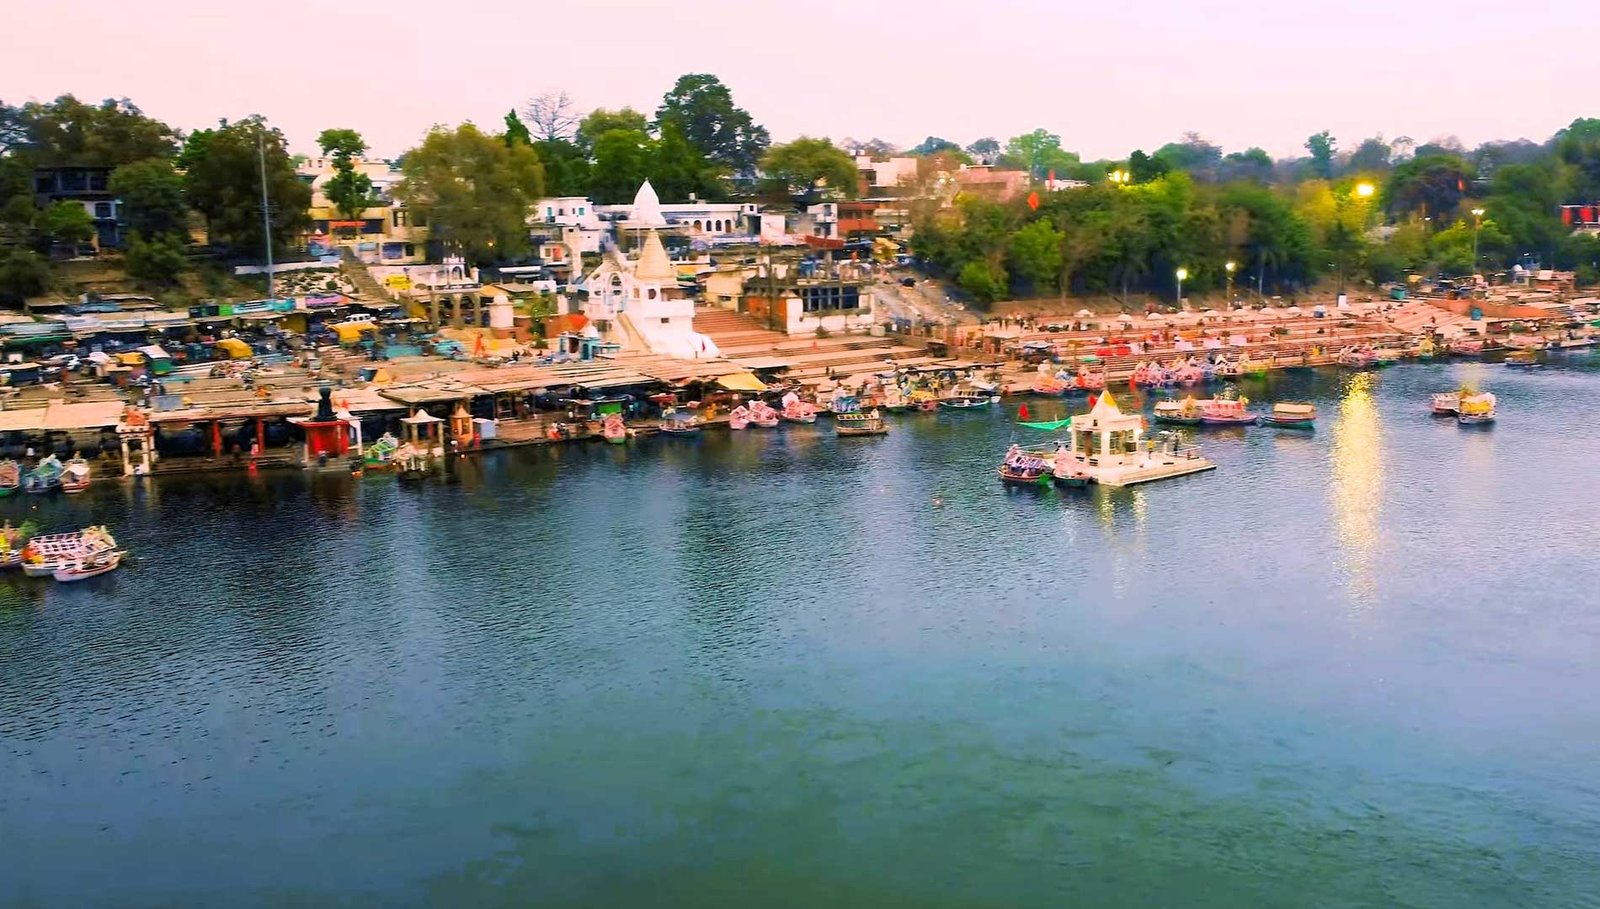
point(1058, 424)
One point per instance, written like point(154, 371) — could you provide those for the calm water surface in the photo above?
point(1350, 668)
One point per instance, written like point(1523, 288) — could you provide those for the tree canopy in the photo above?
point(808, 166)
point(222, 180)
point(474, 190)
point(348, 189)
point(702, 107)
point(152, 197)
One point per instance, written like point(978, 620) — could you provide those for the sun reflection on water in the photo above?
point(1357, 484)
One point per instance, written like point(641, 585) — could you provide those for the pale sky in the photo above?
point(1107, 77)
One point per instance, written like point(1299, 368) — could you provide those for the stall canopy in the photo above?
point(742, 381)
point(154, 352)
point(350, 332)
point(235, 348)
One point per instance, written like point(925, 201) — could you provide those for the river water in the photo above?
point(1349, 668)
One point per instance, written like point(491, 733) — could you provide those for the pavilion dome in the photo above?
point(653, 266)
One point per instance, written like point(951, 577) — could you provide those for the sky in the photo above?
point(1106, 77)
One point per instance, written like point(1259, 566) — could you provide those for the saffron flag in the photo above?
point(1022, 412)
point(1033, 201)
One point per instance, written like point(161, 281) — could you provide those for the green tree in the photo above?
point(1321, 146)
point(601, 121)
point(933, 144)
point(987, 148)
point(67, 223)
point(222, 180)
point(474, 189)
point(806, 165)
point(566, 167)
point(1578, 146)
point(679, 169)
point(23, 274)
point(516, 130)
point(151, 192)
point(702, 107)
point(1430, 186)
point(1142, 168)
point(1039, 152)
point(158, 261)
point(1371, 156)
point(622, 159)
point(985, 281)
point(67, 131)
point(1252, 164)
point(1193, 155)
point(348, 189)
point(1034, 254)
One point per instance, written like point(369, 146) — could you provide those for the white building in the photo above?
point(695, 218)
point(886, 175)
point(637, 302)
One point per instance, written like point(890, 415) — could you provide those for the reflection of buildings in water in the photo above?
point(1357, 482)
point(1129, 558)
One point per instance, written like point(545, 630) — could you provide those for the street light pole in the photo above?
point(1182, 273)
point(1230, 266)
point(1477, 225)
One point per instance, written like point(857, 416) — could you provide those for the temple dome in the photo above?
point(646, 211)
point(653, 267)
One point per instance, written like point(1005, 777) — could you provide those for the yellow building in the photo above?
point(386, 233)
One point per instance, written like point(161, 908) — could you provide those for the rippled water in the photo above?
point(1350, 668)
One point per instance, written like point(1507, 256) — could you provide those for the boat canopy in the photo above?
point(741, 381)
point(235, 348)
point(1050, 426)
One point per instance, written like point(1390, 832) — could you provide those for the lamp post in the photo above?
point(1182, 273)
point(1229, 266)
point(1477, 225)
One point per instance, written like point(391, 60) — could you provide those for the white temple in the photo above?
point(1107, 446)
point(637, 302)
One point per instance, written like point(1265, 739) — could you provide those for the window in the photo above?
point(402, 217)
point(562, 212)
point(549, 211)
point(666, 321)
point(102, 210)
point(411, 250)
point(580, 211)
point(651, 293)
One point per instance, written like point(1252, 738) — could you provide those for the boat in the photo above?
point(1291, 415)
point(10, 477)
point(762, 414)
point(679, 423)
point(1446, 403)
point(12, 541)
point(1476, 409)
point(966, 402)
point(1226, 412)
point(1023, 468)
point(860, 423)
point(1178, 413)
point(89, 566)
point(896, 400)
point(1523, 359)
point(44, 477)
point(796, 410)
point(739, 417)
point(613, 429)
point(380, 454)
point(1357, 357)
point(75, 477)
point(42, 555)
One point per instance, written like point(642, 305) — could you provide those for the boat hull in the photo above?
point(1023, 477)
point(83, 572)
point(1177, 421)
point(1277, 423)
point(1244, 420)
point(1471, 419)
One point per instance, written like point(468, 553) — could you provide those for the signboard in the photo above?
point(397, 282)
point(323, 301)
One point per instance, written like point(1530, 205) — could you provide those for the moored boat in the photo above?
point(965, 402)
point(739, 417)
point(43, 555)
point(89, 566)
point(1022, 468)
point(1523, 359)
point(614, 429)
point(1291, 415)
point(75, 477)
point(1226, 412)
point(10, 477)
point(1476, 409)
point(681, 424)
point(796, 410)
point(44, 477)
point(1178, 413)
point(762, 415)
point(1446, 403)
point(860, 423)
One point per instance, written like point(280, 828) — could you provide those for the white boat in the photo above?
point(75, 477)
point(89, 566)
point(1476, 409)
point(1445, 404)
point(44, 555)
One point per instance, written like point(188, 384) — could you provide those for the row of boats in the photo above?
point(1235, 411)
point(66, 557)
point(49, 475)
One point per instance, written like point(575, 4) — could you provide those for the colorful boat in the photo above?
point(44, 477)
point(43, 555)
point(75, 477)
point(1291, 415)
point(10, 477)
point(1446, 403)
point(796, 410)
point(860, 423)
point(1476, 409)
point(614, 429)
point(1226, 412)
point(89, 566)
point(762, 415)
point(1023, 468)
point(1523, 359)
point(679, 423)
point(1357, 357)
point(1178, 413)
point(739, 417)
point(12, 541)
point(966, 402)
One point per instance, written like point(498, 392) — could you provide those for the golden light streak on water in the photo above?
point(1357, 484)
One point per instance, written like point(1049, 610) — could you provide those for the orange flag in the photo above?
point(1022, 412)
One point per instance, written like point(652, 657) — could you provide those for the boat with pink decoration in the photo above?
point(1226, 412)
